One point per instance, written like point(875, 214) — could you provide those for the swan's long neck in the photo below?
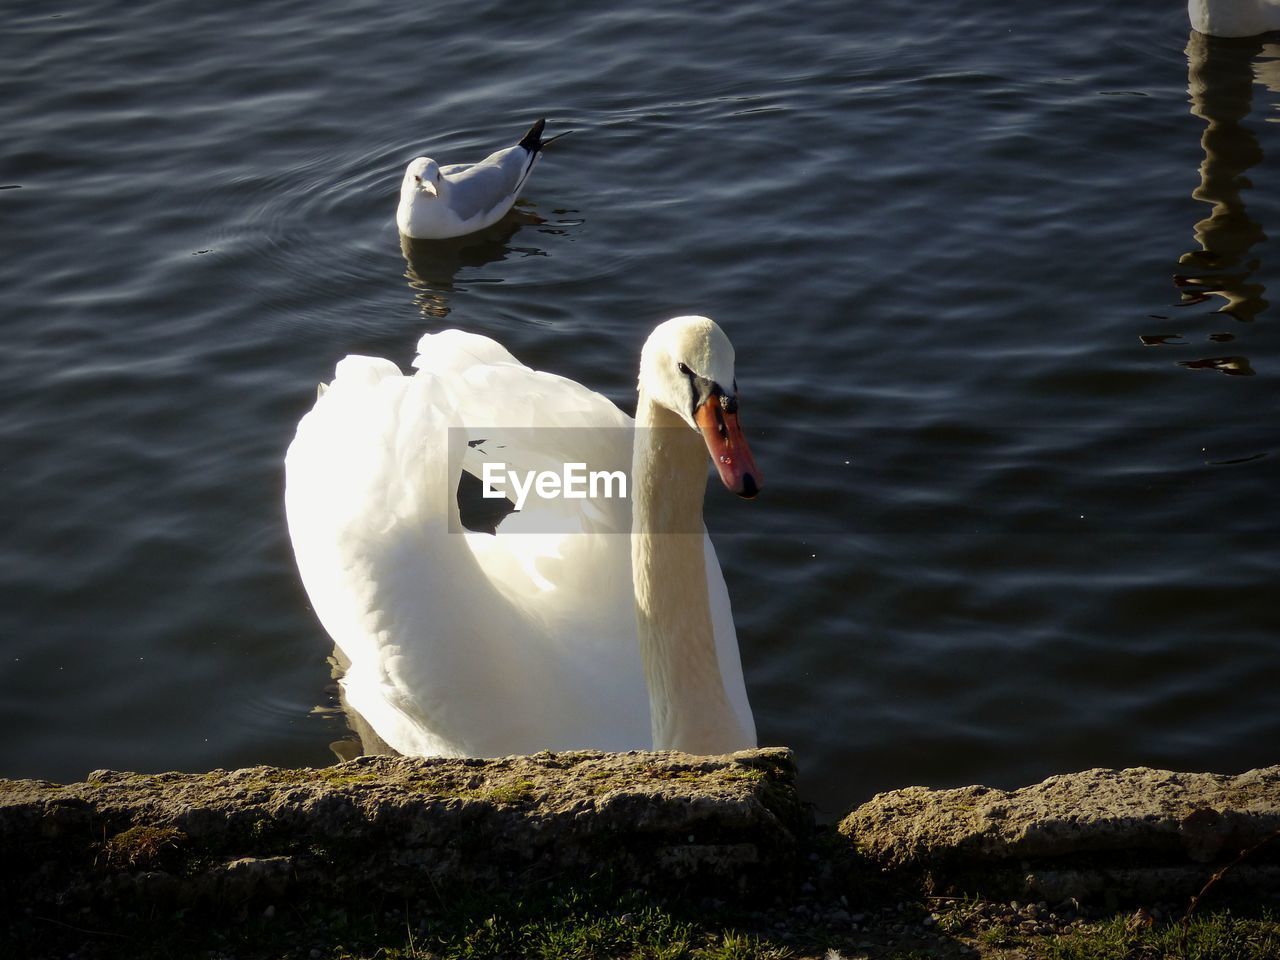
point(688, 705)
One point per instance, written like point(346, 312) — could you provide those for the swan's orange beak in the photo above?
point(717, 418)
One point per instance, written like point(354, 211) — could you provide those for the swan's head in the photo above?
point(687, 367)
point(422, 176)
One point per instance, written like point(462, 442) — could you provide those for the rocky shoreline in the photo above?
point(726, 825)
point(910, 869)
point(1126, 835)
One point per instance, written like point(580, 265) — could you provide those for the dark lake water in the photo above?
point(998, 279)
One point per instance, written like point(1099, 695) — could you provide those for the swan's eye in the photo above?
point(683, 369)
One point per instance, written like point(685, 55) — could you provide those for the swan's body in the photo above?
point(1234, 18)
point(439, 202)
point(470, 644)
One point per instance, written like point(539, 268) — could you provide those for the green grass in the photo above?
point(522, 791)
point(999, 935)
point(461, 925)
point(584, 927)
point(578, 929)
point(146, 848)
point(1217, 936)
point(595, 924)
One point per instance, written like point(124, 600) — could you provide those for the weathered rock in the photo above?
point(399, 823)
point(1112, 831)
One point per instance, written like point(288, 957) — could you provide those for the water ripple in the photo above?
point(978, 290)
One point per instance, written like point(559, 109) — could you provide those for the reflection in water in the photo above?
point(433, 265)
point(1232, 366)
point(1220, 80)
point(363, 742)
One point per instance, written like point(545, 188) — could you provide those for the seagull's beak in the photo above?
point(717, 418)
point(429, 187)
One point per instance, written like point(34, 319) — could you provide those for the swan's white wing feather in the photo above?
point(463, 643)
point(366, 508)
point(564, 562)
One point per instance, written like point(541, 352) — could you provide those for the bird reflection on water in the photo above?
point(1221, 78)
point(432, 266)
point(361, 740)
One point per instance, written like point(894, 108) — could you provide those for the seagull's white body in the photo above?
point(440, 202)
point(591, 635)
point(1234, 18)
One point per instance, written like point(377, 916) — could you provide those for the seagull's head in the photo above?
point(422, 176)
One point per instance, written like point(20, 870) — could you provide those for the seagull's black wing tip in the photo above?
point(532, 141)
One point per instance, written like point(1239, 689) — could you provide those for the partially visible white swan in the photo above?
point(1234, 18)
point(598, 623)
point(459, 198)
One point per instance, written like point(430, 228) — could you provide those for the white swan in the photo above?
point(1234, 18)
point(593, 628)
point(439, 202)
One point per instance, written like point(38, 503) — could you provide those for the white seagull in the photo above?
point(439, 202)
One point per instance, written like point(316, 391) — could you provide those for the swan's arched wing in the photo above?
point(459, 643)
point(520, 420)
point(365, 500)
point(565, 563)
